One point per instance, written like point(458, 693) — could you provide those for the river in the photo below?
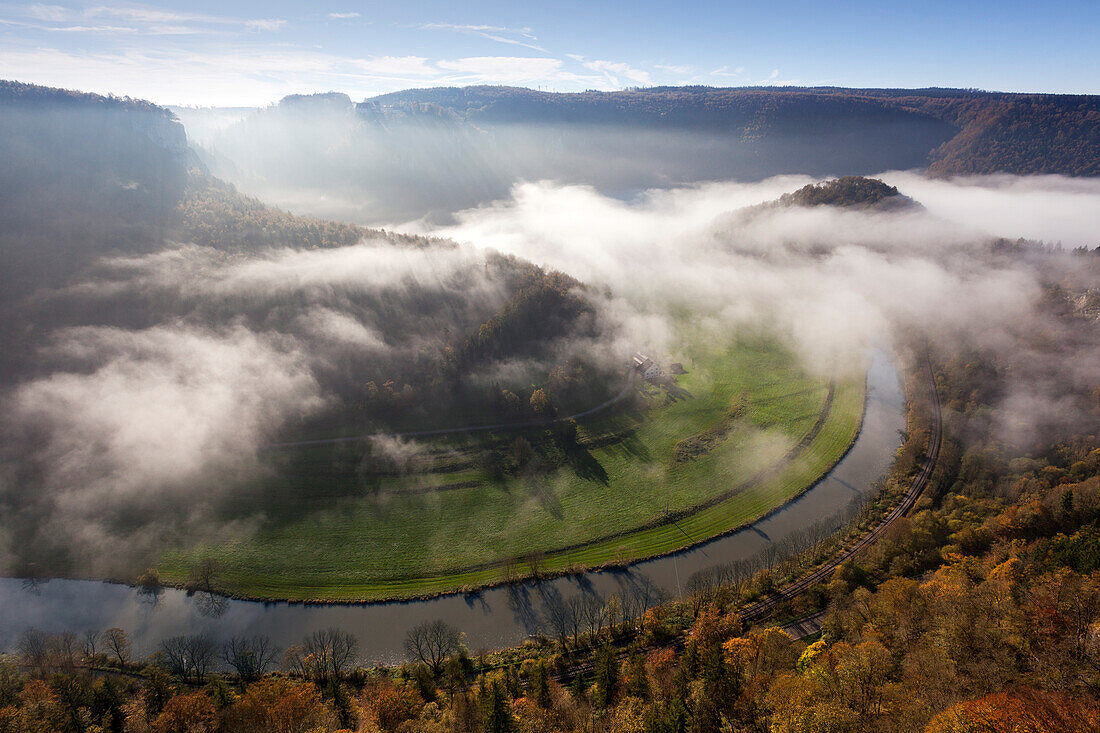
point(491, 619)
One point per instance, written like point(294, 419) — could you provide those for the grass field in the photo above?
point(333, 534)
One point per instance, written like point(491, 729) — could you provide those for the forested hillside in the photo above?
point(430, 152)
point(989, 132)
point(90, 177)
point(82, 173)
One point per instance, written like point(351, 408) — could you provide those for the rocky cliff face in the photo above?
point(164, 132)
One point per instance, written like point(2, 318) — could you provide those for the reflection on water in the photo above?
point(491, 618)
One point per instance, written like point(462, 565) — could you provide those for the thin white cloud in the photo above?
point(148, 20)
point(255, 76)
point(257, 73)
point(675, 68)
point(396, 66)
point(265, 24)
point(503, 69)
point(54, 13)
point(343, 16)
point(727, 71)
point(501, 34)
point(93, 29)
point(617, 73)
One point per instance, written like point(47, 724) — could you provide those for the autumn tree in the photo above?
point(191, 712)
point(1022, 709)
point(282, 705)
point(540, 402)
point(324, 655)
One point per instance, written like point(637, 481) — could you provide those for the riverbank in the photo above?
point(495, 618)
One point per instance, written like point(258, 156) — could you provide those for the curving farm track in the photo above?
point(468, 428)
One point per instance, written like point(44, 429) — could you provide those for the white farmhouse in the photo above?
point(646, 366)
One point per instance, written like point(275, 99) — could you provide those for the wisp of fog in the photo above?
point(163, 377)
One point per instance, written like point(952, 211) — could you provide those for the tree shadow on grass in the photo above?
point(675, 393)
point(633, 446)
point(539, 486)
point(585, 465)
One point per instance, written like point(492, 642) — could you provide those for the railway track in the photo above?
point(760, 610)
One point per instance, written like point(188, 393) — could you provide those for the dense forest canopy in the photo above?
point(848, 191)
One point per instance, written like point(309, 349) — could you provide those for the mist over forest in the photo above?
point(429, 153)
point(412, 347)
point(163, 328)
point(160, 345)
point(530, 368)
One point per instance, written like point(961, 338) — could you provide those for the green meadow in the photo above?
point(334, 532)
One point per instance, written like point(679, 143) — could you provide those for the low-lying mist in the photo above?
point(832, 278)
point(156, 381)
point(835, 279)
point(385, 161)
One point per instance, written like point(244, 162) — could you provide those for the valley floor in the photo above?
point(743, 432)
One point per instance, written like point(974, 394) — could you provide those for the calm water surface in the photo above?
point(491, 619)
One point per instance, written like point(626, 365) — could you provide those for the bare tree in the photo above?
point(204, 576)
point(432, 642)
point(700, 588)
point(576, 617)
point(770, 555)
point(91, 643)
point(118, 643)
point(642, 596)
point(189, 657)
point(45, 653)
point(295, 661)
point(34, 649)
point(66, 648)
point(594, 612)
point(536, 563)
point(511, 571)
point(328, 654)
point(250, 657)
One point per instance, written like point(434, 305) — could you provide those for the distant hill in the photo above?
point(86, 175)
point(849, 192)
point(97, 190)
point(990, 132)
point(429, 152)
point(82, 174)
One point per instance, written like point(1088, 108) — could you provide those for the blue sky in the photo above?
point(253, 53)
